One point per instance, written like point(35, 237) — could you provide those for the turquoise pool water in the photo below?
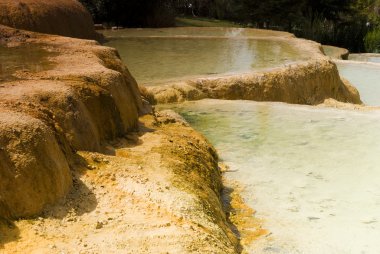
point(312, 174)
point(365, 77)
point(372, 58)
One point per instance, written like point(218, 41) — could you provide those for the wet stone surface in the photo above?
point(23, 58)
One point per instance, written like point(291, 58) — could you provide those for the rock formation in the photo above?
point(61, 17)
point(309, 82)
point(159, 193)
point(75, 152)
point(85, 100)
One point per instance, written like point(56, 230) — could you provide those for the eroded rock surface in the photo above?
point(76, 152)
point(33, 168)
point(159, 194)
point(86, 100)
point(61, 17)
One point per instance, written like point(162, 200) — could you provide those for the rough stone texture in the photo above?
point(178, 92)
point(86, 100)
point(85, 115)
point(33, 169)
point(61, 17)
point(159, 194)
point(305, 82)
point(143, 185)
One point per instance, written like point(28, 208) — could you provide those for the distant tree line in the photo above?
point(132, 13)
point(354, 24)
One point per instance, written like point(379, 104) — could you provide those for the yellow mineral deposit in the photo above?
point(89, 165)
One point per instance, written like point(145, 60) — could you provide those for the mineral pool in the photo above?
point(312, 174)
point(371, 58)
point(365, 77)
point(156, 56)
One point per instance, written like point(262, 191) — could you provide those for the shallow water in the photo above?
point(312, 174)
point(189, 31)
point(372, 58)
point(22, 58)
point(366, 78)
point(332, 51)
point(329, 51)
point(155, 60)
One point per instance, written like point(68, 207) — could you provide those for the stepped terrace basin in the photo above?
point(312, 174)
point(178, 64)
point(365, 76)
point(22, 58)
point(335, 52)
point(156, 56)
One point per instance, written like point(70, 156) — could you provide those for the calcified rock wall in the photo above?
point(87, 99)
point(62, 17)
point(306, 82)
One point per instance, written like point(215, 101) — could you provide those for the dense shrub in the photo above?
point(372, 41)
point(348, 34)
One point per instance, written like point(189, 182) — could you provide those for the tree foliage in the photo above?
point(337, 22)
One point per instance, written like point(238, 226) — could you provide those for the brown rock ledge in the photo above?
point(74, 152)
point(60, 17)
point(159, 194)
point(305, 82)
point(85, 100)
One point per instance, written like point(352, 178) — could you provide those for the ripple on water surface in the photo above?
point(154, 59)
point(312, 174)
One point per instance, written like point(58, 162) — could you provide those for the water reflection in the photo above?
point(155, 60)
point(156, 56)
point(23, 58)
point(190, 32)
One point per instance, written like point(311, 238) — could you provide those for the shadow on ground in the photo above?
point(80, 200)
point(227, 207)
point(9, 232)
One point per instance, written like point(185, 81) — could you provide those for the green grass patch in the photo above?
point(372, 41)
